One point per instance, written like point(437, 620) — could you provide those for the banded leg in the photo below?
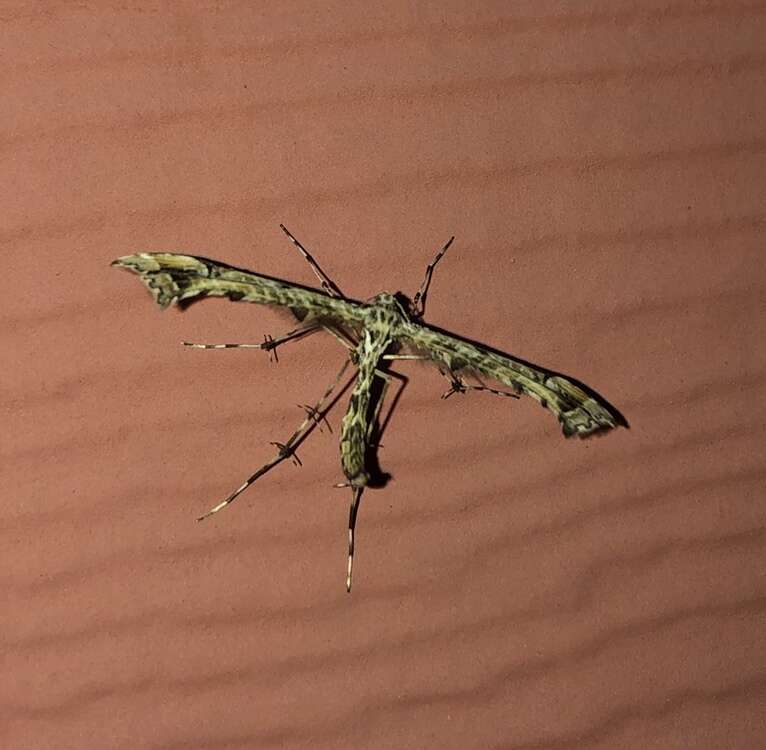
point(357, 494)
point(357, 490)
point(418, 307)
point(413, 357)
point(388, 377)
point(288, 448)
point(269, 344)
point(458, 385)
point(327, 283)
point(344, 338)
point(320, 418)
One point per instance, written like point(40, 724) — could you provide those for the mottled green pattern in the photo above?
point(181, 278)
point(382, 319)
point(578, 412)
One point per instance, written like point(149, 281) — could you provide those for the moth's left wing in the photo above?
point(180, 278)
point(579, 413)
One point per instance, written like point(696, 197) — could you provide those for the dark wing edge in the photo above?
point(175, 278)
point(580, 410)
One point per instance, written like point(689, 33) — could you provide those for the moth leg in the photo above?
point(287, 449)
point(387, 379)
point(458, 385)
point(418, 357)
point(418, 306)
point(319, 417)
point(343, 337)
point(355, 496)
point(374, 431)
point(327, 283)
point(269, 344)
point(360, 445)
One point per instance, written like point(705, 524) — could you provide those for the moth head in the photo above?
point(396, 302)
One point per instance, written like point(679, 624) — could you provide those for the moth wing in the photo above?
point(580, 412)
point(181, 279)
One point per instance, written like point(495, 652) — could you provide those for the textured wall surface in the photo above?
point(603, 166)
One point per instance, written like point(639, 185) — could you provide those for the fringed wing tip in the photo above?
point(580, 412)
point(123, 261)
point(153, 270)
point(140, 262)
point(588, 420)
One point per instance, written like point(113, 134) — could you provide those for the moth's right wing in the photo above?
point(579, 413)
point(180, 278)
